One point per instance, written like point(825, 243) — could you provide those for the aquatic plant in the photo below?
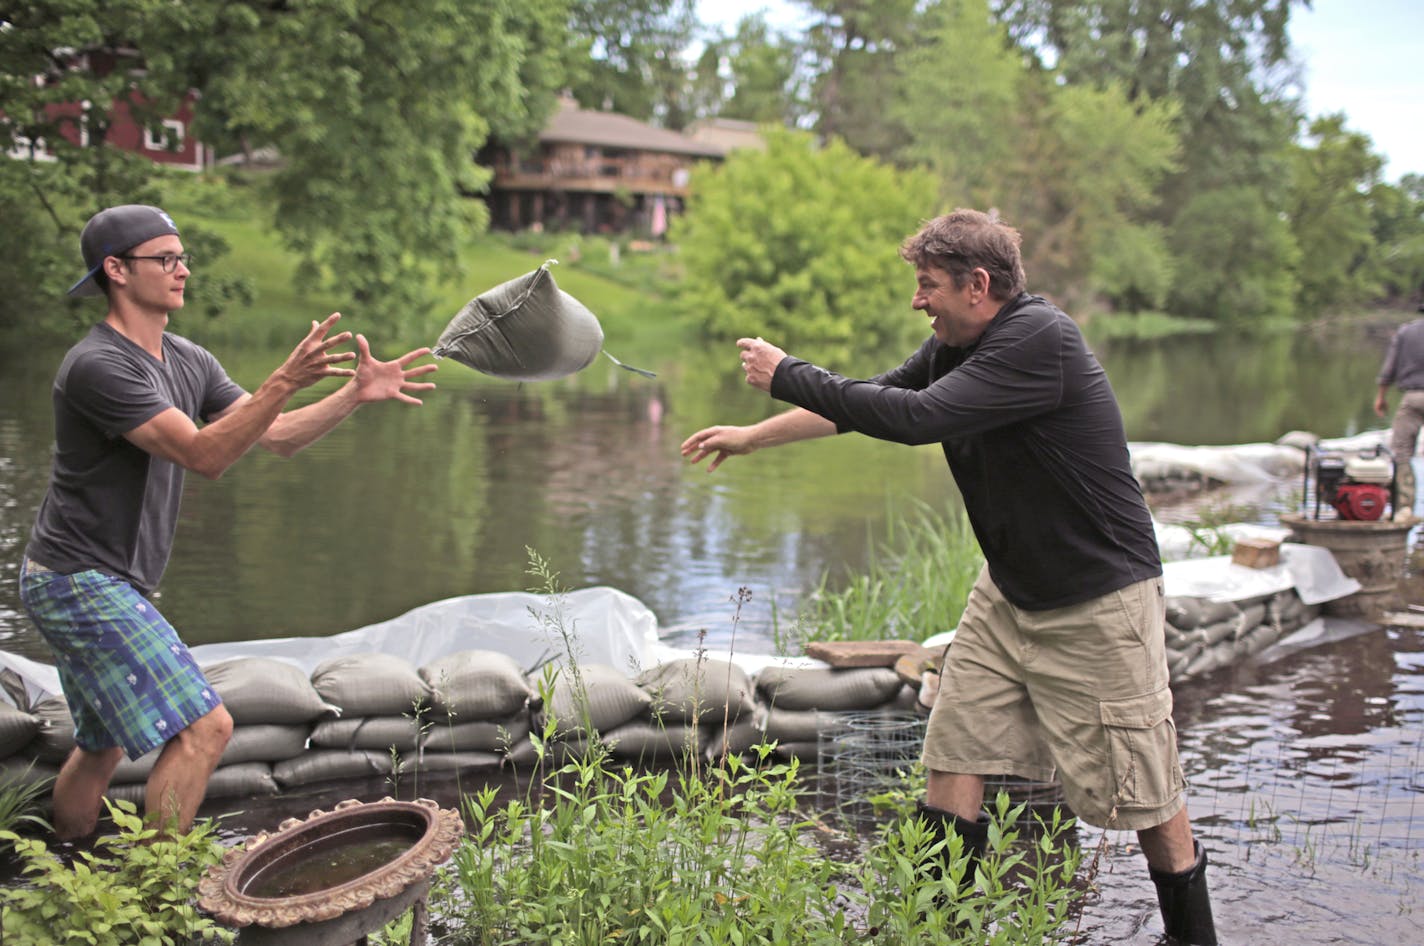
point(20, 801)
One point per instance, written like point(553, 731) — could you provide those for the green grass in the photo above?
point(1145, 326)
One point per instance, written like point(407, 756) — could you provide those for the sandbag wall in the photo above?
point(354, 717)
point(377, 715)
point(1204, 635)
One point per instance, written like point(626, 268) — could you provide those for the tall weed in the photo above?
point(20, 801)
point(915, 586)
point(727, 853)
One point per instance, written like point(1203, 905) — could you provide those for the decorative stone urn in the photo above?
point(334, 877)
point(1371, 552)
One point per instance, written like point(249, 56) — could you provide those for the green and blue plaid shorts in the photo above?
point(128, 679)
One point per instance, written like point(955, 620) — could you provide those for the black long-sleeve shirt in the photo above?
point(1034, 438)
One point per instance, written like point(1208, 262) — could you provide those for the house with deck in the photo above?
point(598, 172)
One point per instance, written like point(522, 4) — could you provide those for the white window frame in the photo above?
point(175, 132)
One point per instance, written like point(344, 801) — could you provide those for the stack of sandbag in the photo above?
point(583, 703)
point(688, 702)
point(795, 704)
point(1204, 635)
point(273, 707)
point(479, 712)
point(790, 694)
point(382, 700)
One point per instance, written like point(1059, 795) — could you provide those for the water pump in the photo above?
point(1359, 485)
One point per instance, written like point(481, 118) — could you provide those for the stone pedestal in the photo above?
point(1372, 553)
point(335, 877)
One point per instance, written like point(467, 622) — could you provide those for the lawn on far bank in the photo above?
point(625, 282)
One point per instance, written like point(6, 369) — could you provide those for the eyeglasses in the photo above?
point(169, 261)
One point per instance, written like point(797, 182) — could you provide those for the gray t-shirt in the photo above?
point(111, 506)
point(1404, 359)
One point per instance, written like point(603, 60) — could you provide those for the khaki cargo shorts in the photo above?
point(1080, 692)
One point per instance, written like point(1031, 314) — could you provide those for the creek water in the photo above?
point(1305, 773)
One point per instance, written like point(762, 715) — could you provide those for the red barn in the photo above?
point(172, 145)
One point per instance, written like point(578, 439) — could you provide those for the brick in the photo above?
point(1257, 553)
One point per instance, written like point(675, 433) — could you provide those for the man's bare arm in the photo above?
point(209, 451)
point(787, 427)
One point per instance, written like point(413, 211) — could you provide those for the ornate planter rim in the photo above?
point(1402, 523)
point(219, 895)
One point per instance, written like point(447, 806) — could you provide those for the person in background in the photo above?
point(1058, 665)
point(1403, 367)
point(135, 407)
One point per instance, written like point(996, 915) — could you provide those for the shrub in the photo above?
point(135, 886)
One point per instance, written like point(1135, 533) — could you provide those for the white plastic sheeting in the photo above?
point(605, 625)
point(1243, 464)
point(1311, 570)
point(1237, 464)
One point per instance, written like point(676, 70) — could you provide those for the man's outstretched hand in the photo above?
point(384, 380)
point(723, 441)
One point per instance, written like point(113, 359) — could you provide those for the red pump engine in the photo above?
point(1358, 487)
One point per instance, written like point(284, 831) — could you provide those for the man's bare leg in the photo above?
point(1169, 847)
point(79, 791)
point(960, 795)
point(179, 779)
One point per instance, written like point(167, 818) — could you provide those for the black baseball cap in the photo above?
point(115, 231)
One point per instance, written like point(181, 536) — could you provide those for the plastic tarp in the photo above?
point(1237, 464)
point(1311, 570)
point(1177, 542)
point(1322, 630)
point(604, 625)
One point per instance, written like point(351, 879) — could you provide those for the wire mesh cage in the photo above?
point(863, 755)
point(866, 755)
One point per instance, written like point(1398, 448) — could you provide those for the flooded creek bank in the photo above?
point(1305, 774)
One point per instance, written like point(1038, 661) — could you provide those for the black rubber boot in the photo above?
point(974, 833)
point(1186, 906)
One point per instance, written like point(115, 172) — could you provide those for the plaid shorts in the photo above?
point(128, 679)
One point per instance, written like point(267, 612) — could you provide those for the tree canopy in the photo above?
point(800, 242)
point(377, 109)
point(1154, 155)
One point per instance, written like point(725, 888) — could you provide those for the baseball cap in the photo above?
point(115, 231)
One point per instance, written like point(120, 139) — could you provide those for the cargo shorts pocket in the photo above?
point(1142, 750)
